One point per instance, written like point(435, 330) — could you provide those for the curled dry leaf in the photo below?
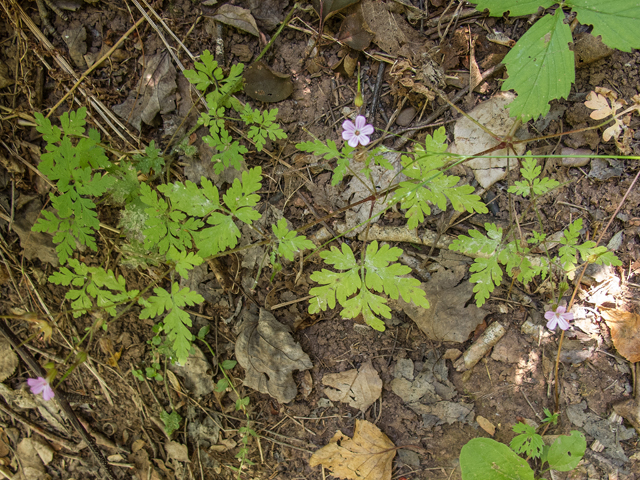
point(358, 388)
point(266, 85)
point(599, 104)
point(269, 355)
point(238, 17)
point(366, 456)
point(354, 32)
point(625, 332)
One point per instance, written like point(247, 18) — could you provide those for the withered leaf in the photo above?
point(269, 355)
point(358, 388)
point(366, 456)
point(354, 32)
point(8, 360)
point(625, 332)
point(331, 7)
point(157, 93)
point(238, 17)
point(266, 85)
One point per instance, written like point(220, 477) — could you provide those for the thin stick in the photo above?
point(96, 65)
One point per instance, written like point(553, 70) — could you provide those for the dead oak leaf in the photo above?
point(358, 388)
point(366, 456)
point(625, 332)
point(269, 355)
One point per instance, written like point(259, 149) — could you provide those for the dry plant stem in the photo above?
point(96, 65)
point(60, 399)
point(575, 289)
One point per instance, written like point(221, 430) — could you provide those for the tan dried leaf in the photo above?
point(366, 456)
point(358, 388)
point(625, 332)
point(599, 104)
point(8, 359)
point(486, 425)
point(613, 131)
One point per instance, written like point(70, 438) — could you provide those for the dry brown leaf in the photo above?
point(238, 17)
point(366, 456)
point(625, 332)
point(599, 104)
point(486, 425)
point(358, 388)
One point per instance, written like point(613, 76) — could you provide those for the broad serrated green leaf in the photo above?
point(615, 20)
point(515, 8)
point(567, 451)
point(289, 242)
point(487, 276)
point(228, 152)
point(569, 239)
point(528, 442)
point(540, 67)
point(477, 242)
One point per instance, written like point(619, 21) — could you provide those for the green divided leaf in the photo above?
point(71, 166)
point(152, 160)
point(616, 21)
point(515, 8)
point(430, 186)
point(567, 451)
point(329, 151)
point(540, 66)
point(528, 442)
point(379, 276)
point(207, 72)
point(289, 242)
point(530, 172)
point(106, 288)
point(171, 421)
point(265, 128)
point(486, 459)
point(183, 261)
point(177, 322)
point(488, 273)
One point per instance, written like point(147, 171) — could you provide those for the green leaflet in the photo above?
point(177, 322)
point(289, 242)
point(380, 275)
point(105, 288)
point(429, 186)
point(71, 166)
point(528, 442)
point(540, 66)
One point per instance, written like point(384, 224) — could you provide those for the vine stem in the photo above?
point(575, 289)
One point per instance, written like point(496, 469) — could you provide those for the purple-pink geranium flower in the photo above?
point(560, 317)
point(40, 385)
point(358, 133)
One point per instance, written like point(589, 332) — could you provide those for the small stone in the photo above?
point(452, 354)
point(409, 457)
point(406, 116)
point(404, 369)
point(570, 161)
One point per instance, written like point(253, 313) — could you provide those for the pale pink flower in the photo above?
point(358, 133)
point(40, 385)
point(560, 317)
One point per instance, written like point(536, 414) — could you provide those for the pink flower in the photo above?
point(358, 133)
point(559, 317)
point(40, 385)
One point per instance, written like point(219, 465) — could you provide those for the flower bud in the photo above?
point(358, 100)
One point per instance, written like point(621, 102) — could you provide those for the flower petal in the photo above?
point(348, 126)
point(561, 309)
point(360, 122)
point(564, 325)
point(551, 324)
point(363, 139)
point(347, 135)
point(549, 314)
point(48, 393)
point(367, 129)
point(353, 141)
